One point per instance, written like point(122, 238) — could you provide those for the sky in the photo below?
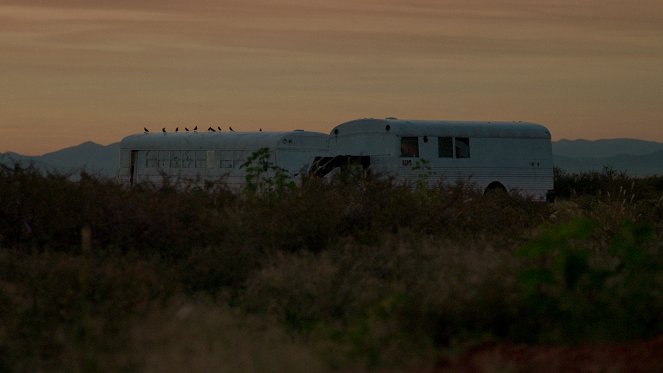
point(79, 70)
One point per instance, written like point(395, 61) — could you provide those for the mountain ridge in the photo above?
point(604, 148)
point(87, 156)
point(633, 165)
point(633, 156)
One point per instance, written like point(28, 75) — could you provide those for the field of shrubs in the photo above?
point(356, 273)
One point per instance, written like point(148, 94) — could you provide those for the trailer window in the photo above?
point(188, 159)
point(212, 156)
point(445, 147)
point(201, 159)
point(462, 147)
point(409, 146)
point(226, 158)
point(164, 158)
point(175, 159)
point(240, 157)
point(151, 159)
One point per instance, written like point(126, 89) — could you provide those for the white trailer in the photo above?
point(513, 156)
point(213, 156)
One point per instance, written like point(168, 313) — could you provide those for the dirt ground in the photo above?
point(637, 356)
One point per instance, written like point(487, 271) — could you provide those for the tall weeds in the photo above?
point(355, 272)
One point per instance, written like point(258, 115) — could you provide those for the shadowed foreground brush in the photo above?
point(352, 273)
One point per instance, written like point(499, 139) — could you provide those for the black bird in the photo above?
point(186, 129)
point(146, 130)
point(210, 129)
point(163, 130)
point(195, 128)
point(177, 129)
point(231, 129)
point(218, 128)
point(260, 130)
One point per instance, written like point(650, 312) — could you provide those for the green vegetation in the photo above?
point(355, 273)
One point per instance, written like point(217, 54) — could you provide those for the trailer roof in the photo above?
point(435, 127)
point(224, 140)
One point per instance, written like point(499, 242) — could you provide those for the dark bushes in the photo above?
point(61, 312)
point(608, 182)
point(361, 270)
point(579, 283)
point(48, 212)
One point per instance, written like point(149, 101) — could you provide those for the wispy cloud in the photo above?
point(22, 13)
point(480, 27)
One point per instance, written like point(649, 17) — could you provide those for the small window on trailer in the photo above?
point(409, 146)
point(175, 159)
point(201, 159)
point(240, 157)
point(462, 147)
point(151, 159)
point(188, 159)
point(164, 159)
point(212, 156)
point(226, 158)
point(445, 147)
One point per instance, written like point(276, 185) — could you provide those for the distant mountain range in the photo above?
point(604, 148)
point(90, 157)
point(635, 157)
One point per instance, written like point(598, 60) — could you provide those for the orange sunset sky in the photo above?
point(78, 70)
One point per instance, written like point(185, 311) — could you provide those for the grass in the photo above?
point(358, 273)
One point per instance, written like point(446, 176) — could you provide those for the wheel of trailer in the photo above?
point(495, 187)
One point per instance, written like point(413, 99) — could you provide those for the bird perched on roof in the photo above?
point(163, 130)
point(260, 130)
point(219, 128)
point(195, 128)
point(146, 130)
point(210, 129)
point(186, 129)
point(177, 129)
point(231, 129)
